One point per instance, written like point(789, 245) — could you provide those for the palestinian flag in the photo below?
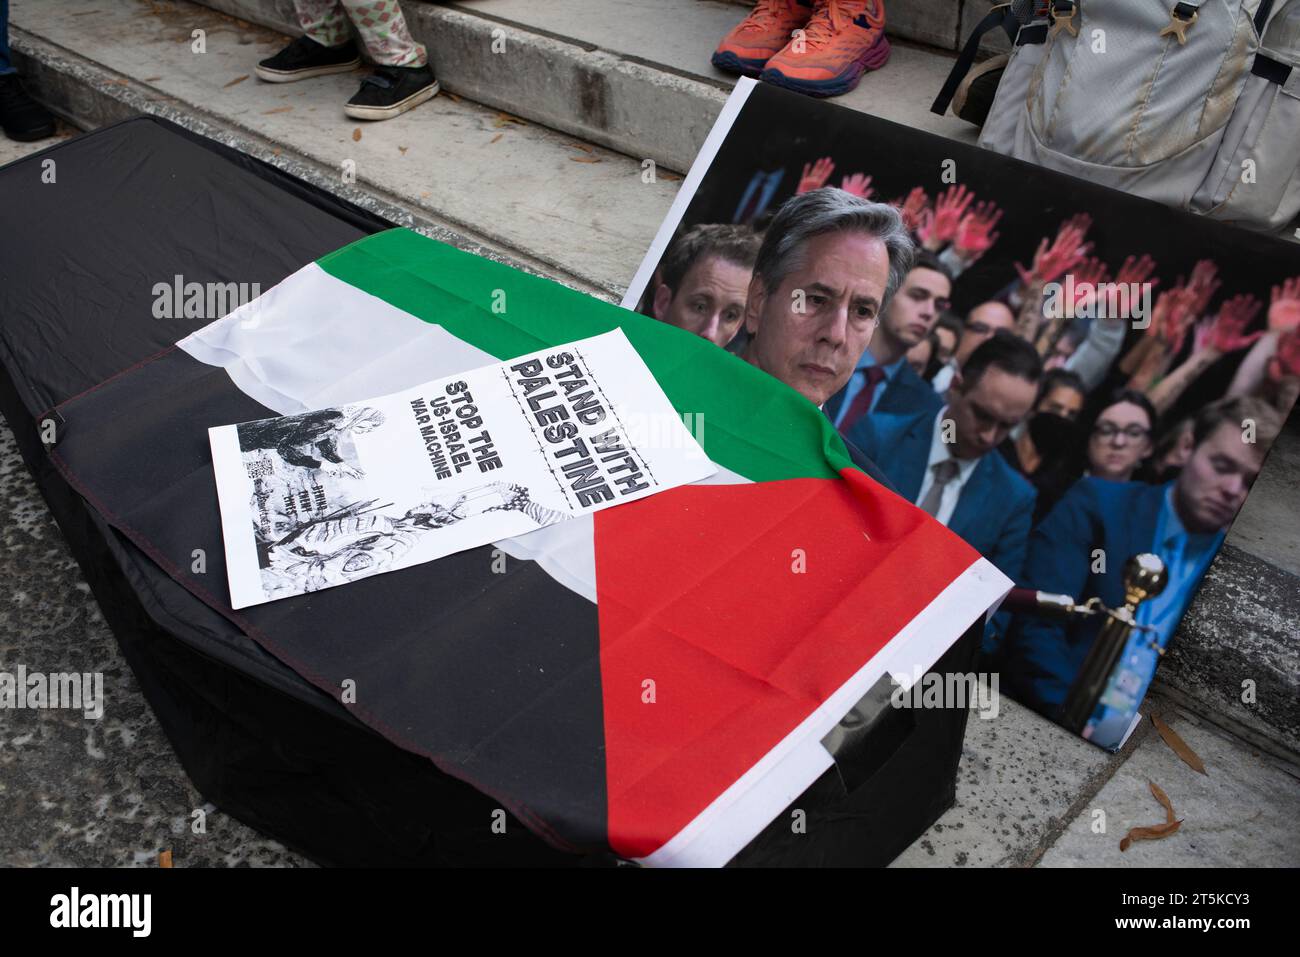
point(656, 678)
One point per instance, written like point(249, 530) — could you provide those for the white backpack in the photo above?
point(1195, 103)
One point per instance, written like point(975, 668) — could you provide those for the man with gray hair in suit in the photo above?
point(828, 265)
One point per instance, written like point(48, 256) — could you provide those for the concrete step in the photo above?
point(633, 75)
point(457, 170)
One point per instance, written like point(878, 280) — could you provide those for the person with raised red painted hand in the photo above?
point(815, 175)
point(1053, 258)
point(939, 225)
point(1283, 383)
point(975, 235)
point(1272, 367)
point(1176, 313)
point(857, 184)
point(912, 207)
point(1213, 338)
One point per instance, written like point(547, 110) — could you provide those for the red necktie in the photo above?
point(862, 401)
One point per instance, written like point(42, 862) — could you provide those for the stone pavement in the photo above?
point(73, 791)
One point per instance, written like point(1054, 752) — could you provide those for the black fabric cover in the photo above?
point(137, 203)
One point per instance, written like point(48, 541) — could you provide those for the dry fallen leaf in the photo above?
point(450, 96)
point(497, 137)
point(165, 858)
point(278, 109)
point(1179, 746)
point(356, 135)
point(582, 146)
point(150, 79)
point(403, 149)
point(1153, 833)
point(238, 79)
point(585, 159)
point(501, 119)
point(1163, 798)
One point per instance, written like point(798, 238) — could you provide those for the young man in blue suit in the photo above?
point(946, 460)
point(883, 381)
point(1081, 547)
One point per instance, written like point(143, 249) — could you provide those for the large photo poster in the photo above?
point(1080, 383)
point(333, 495)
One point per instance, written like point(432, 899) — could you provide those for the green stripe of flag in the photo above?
point(456, 290)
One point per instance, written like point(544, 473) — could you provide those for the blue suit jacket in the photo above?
point(906, 392)
point(996, 504)
point(1041, 655)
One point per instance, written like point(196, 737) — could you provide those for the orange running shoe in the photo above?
point(843, 39)
point(758, 37)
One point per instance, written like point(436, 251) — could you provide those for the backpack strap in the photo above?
point(1275, 71)
point(1015, 18)
point(1261, 16)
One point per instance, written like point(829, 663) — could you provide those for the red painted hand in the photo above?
point(975, 234)
point(815, 174)
point(859, 184)
point(1284, 308)
point(1286, 361)
point(1224, 333)
point(941, 227)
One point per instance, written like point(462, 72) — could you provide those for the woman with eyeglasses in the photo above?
point(1117, 440)
point(1121, 436)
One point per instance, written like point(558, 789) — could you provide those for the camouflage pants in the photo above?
point(379, 23)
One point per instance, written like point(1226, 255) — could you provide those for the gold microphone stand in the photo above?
point(1145, 577)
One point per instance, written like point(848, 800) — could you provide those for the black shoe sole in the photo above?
point(306, 73)
point(388, 112)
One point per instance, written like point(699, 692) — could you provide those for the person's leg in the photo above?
point(324, 21)
point(21, 117)
point(325, 47)
point(761, 35)
point(6, 62)
point(843, 39)
point(383, 31)
point(402, 77)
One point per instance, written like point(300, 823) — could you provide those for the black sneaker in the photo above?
point(22, 118)
point(391, 91)
point(304, 58)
